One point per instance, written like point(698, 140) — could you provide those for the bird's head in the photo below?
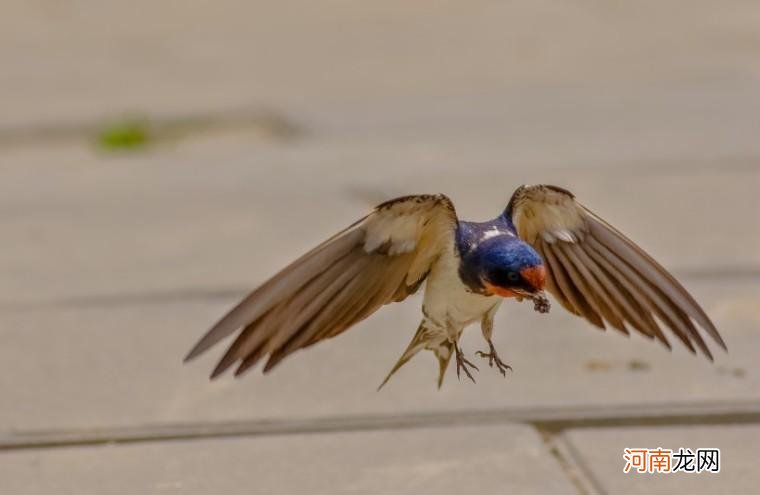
point(512, 269)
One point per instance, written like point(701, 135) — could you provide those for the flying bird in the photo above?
point(544, 240)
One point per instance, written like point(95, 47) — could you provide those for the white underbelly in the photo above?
point(448, 301)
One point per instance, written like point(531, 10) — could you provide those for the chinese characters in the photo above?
point(661, 460)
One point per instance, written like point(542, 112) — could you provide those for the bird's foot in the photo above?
point(493, 358)
point(463, 363)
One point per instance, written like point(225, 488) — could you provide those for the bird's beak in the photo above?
point(502, 291)
point(512, 292)
point(536, 277)
point(521, 293)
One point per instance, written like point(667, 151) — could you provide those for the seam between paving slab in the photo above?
point(548, 421)
point(574, 469)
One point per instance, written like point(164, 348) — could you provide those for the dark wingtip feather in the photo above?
point(196, 351)
point(717, 337)
point(692, 349)
point(229, 358)
point(274, 360)
point(706, 352)
point(209, 340)
point(220, 368)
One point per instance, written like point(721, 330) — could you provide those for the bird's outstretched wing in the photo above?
point(382, 258)
point(598, 273)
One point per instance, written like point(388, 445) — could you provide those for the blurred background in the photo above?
point(159, 159)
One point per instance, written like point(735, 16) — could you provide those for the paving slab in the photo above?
point(430, 460)
point(76, 224)
point(89, 59)
point(600, 453)
point(113, 264)
point(118, 365)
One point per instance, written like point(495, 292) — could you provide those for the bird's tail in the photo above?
point(421, 340)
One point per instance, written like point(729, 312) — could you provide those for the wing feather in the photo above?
point(656, 300)
point(566, 290)
point(302, 306)
point(641, 306)
point(598, 273)
point(587, 286)
point(381, 258)
point(278, 287)
point(366, 301)
point(653, 271)
point(613, 288)
point(334, 310)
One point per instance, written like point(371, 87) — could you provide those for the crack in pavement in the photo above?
point(572, 466)
point(550, 421)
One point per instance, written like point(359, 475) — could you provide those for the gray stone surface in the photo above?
point(70, 61)
point(216, 216)
point(510, 459)
point(117, 365)
point(600, 451)
point(113, 264)
point(113, 267)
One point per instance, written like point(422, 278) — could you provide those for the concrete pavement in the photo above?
point(437, 460)
point(113, 264)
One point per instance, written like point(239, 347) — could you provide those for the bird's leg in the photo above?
point(493, 358)
point(486, 324)
point(463, 363)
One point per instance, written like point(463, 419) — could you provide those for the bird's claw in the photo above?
point(463, 363)
point(493, 358)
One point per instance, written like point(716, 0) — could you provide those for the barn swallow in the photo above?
point(544, 240)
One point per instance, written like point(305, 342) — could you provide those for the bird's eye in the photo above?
point(513, 276)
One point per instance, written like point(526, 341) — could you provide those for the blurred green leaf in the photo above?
point(124, 135)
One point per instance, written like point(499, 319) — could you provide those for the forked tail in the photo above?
point(422, 340)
